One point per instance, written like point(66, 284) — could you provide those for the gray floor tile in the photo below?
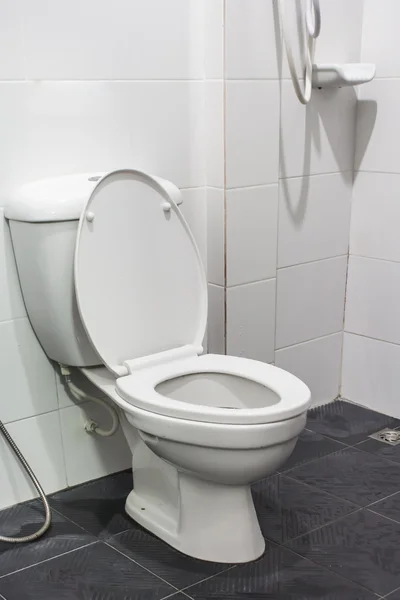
point(347, 422)
point(389, 507)
point(380, 449)
point(287, 508)
point(96, 572)
point(98, 506)
point(160, 558)
point(353, 475)
point(310, 446)
point(363, 547)
point(278, 575)
point(25, 519)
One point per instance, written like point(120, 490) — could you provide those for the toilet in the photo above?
point(114, 285)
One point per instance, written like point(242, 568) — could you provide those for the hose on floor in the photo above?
point(33, 478)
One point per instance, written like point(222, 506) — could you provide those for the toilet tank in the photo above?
point(43, 219)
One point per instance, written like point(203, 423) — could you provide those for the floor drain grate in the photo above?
point(387, 436)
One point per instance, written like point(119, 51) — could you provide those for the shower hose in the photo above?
point(32, 476)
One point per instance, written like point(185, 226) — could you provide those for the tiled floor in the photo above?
point(331, 520)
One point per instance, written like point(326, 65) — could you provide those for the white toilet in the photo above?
point(125, 289)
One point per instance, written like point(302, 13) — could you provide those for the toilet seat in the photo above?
point(140, 390)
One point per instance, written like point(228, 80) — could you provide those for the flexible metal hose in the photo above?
point(47, 521)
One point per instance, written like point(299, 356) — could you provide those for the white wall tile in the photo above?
point(39, 439)
point(252, 132)
point(371, 374)
point(214, 39)
point(216, 319)
point(378, 128)
point(314, 218)
point(251, 320)
point(11, 41)
point(26, 374)
point(89, 456)
point(380, 43)
point(375, 215)
point(317, 363)
point(318, 138)
point(251, 234)
point(125, 39)
point(250, 40)
point(11, 303)
point(310, 301)
point(373, 299)
point(340, 39)
point(214, 137)
point(194, 210)
point(215, 236)
point(66, 127)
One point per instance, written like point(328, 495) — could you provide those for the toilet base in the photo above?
point(210, 521)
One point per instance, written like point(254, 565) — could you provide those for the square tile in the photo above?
point(362, 547)
point(353, 475)
point(314, 218)
point(98, 506)
point(388, 507)
point(39, 439)
point(372, 299)
point(381, 449)
point(216, 319)
point(11, 302)
point(278, 575)
point(316, 362)
point(158, 557)
point(27, 375)
point(375, 210)
point(287, 509)
point(310, 301)
point(251, 234)
point(251, 320)
point(318, 138)
point(214, 107)
point(380, 360)
point(96, 571)
point(250, 40)
point(103, 455)
point(24, 519)
point(215, 236)
point(57, 44)
point(252, 135)
point(214, 39)
point(310, 446)
point(380, 37)
point(346, 422)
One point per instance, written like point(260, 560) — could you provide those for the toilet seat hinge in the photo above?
point(136, 364)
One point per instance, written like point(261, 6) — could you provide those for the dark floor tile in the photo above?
point(381, 449)
point(98, 506)
point(394, 596)
point(160, 558)
point(389, 507)
point(96, 572)
point(25, 519)
point(278, 575)
point(363, 547)
point(346, 422)
point(353, 475)
point(310, 446)
point(287, 508)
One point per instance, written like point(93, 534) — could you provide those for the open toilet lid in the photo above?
point(139, 279)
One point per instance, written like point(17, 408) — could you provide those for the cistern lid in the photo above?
point(139, 279)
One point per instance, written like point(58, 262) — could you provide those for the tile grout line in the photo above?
point(141, 566)
point(210, 577)
point(49, 559)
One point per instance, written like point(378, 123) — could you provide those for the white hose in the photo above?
point(312, 31)
point(91, 426)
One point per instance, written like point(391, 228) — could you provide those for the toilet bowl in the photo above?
point(201, 428)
